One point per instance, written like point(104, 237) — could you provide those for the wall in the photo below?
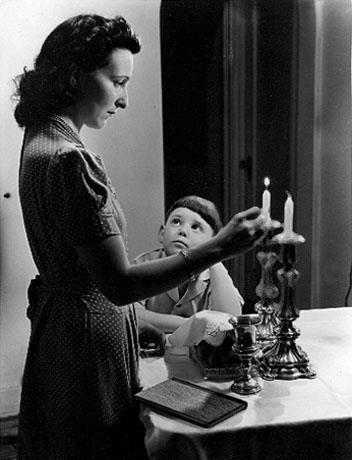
point(335, 220)
point(131, 145)
point(324, 159)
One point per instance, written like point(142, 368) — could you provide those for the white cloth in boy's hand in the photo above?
point(207, 325)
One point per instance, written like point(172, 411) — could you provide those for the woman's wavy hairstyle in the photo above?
point(80, 44)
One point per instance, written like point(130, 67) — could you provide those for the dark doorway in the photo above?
point(228, 89)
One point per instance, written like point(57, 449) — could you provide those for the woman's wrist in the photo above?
point(189, 264)
point(198, 259)
point(208, 253)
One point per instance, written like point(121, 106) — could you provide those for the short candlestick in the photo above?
point(245, 349)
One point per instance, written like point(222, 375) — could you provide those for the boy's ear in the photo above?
point(161, 233)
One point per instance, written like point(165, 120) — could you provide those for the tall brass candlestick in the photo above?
point(285, 360)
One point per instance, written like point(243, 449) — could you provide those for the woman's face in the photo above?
point(184, 229)
point(105, 90)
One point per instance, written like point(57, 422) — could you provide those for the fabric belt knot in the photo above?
point(39, 291)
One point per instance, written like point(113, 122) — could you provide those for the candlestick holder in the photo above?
point(286, 360)
point(245, 348)
point(267, 291)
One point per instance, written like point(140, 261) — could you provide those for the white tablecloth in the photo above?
point(299, 419)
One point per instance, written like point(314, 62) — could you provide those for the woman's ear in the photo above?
point(78, 78)
point(161, 233)
point(75, 82)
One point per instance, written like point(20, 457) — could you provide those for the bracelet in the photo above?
point(188, 260)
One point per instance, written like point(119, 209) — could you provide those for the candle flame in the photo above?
point(266, 181)
point(288, 194)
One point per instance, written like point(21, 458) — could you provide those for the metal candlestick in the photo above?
point(267, 308)
point(285, 360)
point(245, 349)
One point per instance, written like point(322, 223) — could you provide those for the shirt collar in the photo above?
point(194, 288)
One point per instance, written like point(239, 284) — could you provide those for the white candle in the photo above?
point(288, 219)
point(266, 198)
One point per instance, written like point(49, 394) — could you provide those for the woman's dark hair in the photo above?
point(82, 43)
point(205, 208)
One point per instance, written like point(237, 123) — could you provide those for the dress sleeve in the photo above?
point(78, 199)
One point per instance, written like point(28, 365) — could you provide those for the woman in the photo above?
point(81, 370)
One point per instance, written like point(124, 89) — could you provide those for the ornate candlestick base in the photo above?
point(245, 349)
point(268, 322)
point(285, 360)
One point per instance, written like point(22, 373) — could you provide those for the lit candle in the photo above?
point(288, 219)
point(266, 198)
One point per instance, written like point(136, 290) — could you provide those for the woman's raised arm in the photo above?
point(121, 282)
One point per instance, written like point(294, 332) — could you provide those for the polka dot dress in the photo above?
point(81, 370)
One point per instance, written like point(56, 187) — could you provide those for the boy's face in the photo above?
point(184, 229)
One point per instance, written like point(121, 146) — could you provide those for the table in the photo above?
point(299, 419)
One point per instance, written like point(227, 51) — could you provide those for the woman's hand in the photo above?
point(242, 232)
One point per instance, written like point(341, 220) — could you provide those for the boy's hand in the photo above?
point(151, 341)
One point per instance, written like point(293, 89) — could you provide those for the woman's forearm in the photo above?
point(108, 266)
point(123, 282)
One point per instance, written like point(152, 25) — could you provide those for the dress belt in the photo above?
point(39, 292)
point(39, 288)
point(64, 289)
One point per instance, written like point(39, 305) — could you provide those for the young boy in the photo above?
point(191, 220)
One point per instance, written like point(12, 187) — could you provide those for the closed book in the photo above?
point(191, 402)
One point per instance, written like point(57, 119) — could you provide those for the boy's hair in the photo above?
point(205, 208)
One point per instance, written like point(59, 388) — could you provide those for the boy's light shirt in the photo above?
point(196, 298)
